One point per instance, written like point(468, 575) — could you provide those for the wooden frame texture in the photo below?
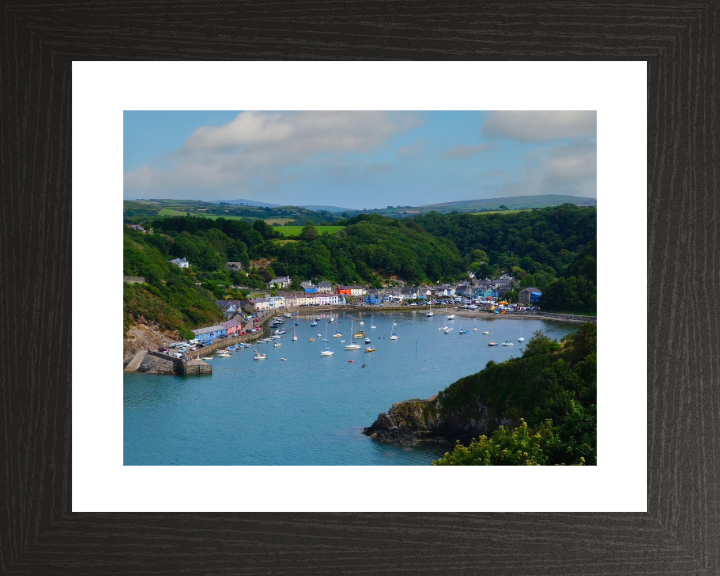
point(680, 534)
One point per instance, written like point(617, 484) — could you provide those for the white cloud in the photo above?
point(566, 169)
point(257, 150)
point(539, 125)
point(467, 151)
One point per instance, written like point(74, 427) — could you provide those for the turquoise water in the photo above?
point(309, 410)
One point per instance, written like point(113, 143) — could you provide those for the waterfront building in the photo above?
point(232, 327)
point(208, 334)
point(276, 302)
point(351, 290)
point(324, 288)
point(260, 304)
point(529, 296)
point(180, 262)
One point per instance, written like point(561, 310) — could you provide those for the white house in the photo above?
point(324, 288)
point(276, 302)
point(261, 304)
point(280, 282)
point(180, 262)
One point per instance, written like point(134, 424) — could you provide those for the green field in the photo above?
point(500, 212)
point(283, 242)
point(295, 230)
point(173, 212)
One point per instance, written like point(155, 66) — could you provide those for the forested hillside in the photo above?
point(552, 249)
point(538, 409)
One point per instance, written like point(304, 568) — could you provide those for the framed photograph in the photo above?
point(240, 183)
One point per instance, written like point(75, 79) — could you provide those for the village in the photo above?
point(243, 317)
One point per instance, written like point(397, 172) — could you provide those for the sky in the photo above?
point(360, 159)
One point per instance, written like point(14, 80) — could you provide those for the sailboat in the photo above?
point(259, 356)
point(461, 331)
point(430, 312)
point(451, 317)
point(492, 343)
point(361, 320)
point(508, 343)
point(393, 336)
point(328, 351)
point(294, 338)
point(372, 324)
point(521, 339)
point(331, 315)
point(353, 345)
point(474, 327)
point(486, 332)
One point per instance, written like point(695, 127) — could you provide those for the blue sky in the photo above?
point(358, 159)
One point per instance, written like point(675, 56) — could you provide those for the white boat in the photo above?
point(294, 338)
point(283, 359)
point(259, 356)
point(372, 324)
point(430, 312)
point(508, 343)
point(206, 358)
point(361, 320)
point(491, 342)
point(393, 336)
point(367, 340)
point(224, 355)
point(353, 345)
point(280, 331)
point(521, 339)
point(328, 351)
point(447, 330)
point(319, 335)
point(278, 344)
point(451, 317)
point(474, 327)
point(486, 332)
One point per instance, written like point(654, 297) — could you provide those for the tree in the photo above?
point(503, 207)
point(308, 233)
point(511, 296)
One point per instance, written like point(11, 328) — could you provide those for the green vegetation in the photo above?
point(551, 391)
point(368, 247)
point(170, 297)
point(499, 212)
point(552, 249)
point(295, 230)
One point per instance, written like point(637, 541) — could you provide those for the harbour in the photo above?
point(310, 409)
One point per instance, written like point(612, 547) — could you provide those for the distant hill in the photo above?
point(515, 202)
point(247, 203)
point(328, 208)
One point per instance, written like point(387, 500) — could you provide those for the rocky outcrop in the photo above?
point(436, 419)
point(146, 336)
point(387, 429)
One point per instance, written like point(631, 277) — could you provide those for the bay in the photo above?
point(310, 410)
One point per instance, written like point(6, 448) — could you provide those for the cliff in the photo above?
point(542, 384)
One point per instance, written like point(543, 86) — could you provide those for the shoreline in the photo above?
point(445, 310)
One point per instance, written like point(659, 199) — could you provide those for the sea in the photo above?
point(310, 410)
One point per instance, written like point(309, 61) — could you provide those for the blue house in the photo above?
point(207, 335)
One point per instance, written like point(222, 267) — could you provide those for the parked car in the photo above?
point(163, 350)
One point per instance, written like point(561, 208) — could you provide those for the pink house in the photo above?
point(232, 327)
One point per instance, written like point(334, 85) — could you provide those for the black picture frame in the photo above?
point(680, 533)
